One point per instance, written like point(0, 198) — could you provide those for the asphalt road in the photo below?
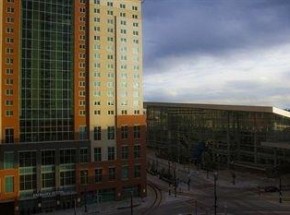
point(243, 202)
point(230, 200)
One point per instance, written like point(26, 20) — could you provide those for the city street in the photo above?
point(243, 197)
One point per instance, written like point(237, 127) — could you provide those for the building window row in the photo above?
point(111, 132)
point(67, 178)
point(125, 152)
point(99, 173)
point(28, 158)
point(111, 4)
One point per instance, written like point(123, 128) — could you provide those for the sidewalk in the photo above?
point(111, 207)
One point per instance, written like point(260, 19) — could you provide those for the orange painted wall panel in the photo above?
point(11, 121)
point(13, 195)
point(80, 65)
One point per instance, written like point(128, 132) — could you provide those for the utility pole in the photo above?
point(215, 196)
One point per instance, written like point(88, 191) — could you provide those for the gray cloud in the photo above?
point(179, 27)
point(217, 51)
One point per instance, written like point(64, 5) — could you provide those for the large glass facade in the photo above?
point(226, 136)
point(47, 70)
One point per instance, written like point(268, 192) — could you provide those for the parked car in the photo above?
point(271, 189)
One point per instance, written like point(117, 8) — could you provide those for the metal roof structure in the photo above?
point(246, 108)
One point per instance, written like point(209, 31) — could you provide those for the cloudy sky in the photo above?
point(217, 51)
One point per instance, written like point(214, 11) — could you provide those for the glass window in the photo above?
point(47, 157)
point(136, 131)
point(48, 180)
point(83, 132)
point(98, 175)
point(125, 152)
point(97, 133)
point(125, 172)
point(111, 132)
point(67, 178)
point(137, 152)
point(9, 184)
point(124, 132)
point(112, 173)
point(84, 155)
point(98, 154)
point(28, 181)
point(9, 135)
point(67, 156)
point(111, 153)
point(27, 159)
point(8, 160)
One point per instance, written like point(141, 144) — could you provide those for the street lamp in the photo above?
point(85, 197)
point(280, 189)
point(215, 196)
point(39, 204)
point(278, 173)
point(169, 173)
point(131, 195)
point(58, 201)
point(175, 182)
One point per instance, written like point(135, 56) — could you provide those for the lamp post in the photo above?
point(57, 204)
point(175, 182)
point(85, 197)
point(39, 204)
point(169, 173)
point(278, 174)
point(215, 196)
point(58, 200)
point(98, 201)
point(131, 206)
point(280, 189)
point(75, 206)
point(16, 209)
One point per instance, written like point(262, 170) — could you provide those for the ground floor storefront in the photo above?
point(51, 201)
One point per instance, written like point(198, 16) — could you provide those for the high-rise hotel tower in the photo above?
point(71, 113)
